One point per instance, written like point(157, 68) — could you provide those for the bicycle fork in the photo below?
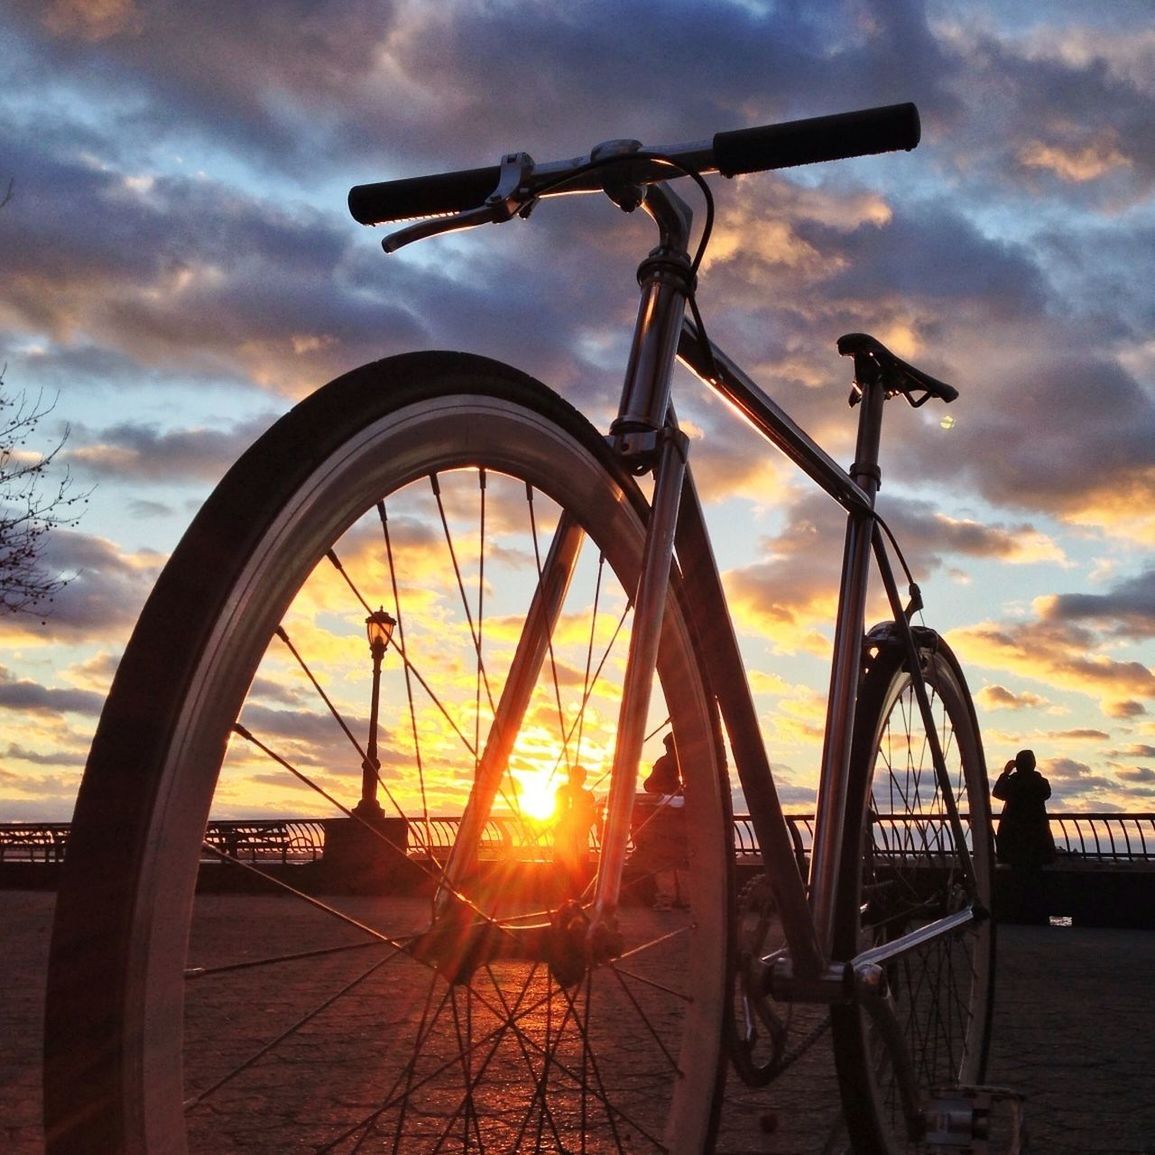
point(645, 440)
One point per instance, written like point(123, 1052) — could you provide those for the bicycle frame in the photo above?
point(646, 436)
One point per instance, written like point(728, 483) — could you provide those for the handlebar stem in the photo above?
point(666, 278)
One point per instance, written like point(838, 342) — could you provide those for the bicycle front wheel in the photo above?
point(903, 869)
point(432, 990)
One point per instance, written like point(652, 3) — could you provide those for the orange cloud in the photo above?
point(1076, 164)
point(93, 20)
point(1000, 698)
point(1061, 656)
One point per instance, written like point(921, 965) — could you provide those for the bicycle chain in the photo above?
point(804, 1044)
point(754, 893)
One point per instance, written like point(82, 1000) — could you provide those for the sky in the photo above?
point(177, 268)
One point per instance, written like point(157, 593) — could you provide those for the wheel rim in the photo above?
point(397, 1052)
point(941, 992)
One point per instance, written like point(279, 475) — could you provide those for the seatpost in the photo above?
point(847, 666)
point(872, 395)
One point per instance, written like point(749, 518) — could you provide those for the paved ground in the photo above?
point(1075, 1032)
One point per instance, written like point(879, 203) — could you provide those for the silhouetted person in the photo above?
point(660, 828)
point(577, 814)
point(665, 775)
point(1024, 838)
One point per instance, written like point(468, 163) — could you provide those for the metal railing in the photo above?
point(1107, 837)
point(1103, 837)
point(33, 841)
point(290, 840)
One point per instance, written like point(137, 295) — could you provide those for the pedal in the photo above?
point(969, 1121)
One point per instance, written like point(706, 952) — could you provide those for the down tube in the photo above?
point(727, 679)
point(532, 646)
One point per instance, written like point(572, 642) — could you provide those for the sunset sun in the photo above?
point(536, 793)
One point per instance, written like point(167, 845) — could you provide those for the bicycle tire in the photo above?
point(503, 1053)
point(899, 871)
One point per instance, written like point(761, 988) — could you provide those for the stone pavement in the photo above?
point(1075, 1032)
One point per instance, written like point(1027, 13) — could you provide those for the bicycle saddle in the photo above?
point(875, 363)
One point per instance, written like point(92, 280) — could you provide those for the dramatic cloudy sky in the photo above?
point(176, 268)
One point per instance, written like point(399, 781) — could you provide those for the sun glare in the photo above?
point(536, 793)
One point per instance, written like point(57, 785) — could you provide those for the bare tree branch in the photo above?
point(36, 496)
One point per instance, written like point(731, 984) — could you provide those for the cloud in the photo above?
point(790, 594)
point(106, 586)
point(26, 696)
point(1074, 782)
point(1126, 610)
point(1140, 750)
point(728, 459)
point(1059, 77)
point(194, 272)
point(311, 57)
point(1062, 656)
point(1128, 708)
point(145, 453)
point(103, 594)
point(177, 234)
point(187, 274)
point(1000, 698)
point(1136, 774)
point(1078, 163)
point(1065, 770)
point(936, 538)
point(413, 76)
point(927, 239)
point(18, 753)
point(1098, 470)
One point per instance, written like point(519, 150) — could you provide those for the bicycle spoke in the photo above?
point(272, 1044)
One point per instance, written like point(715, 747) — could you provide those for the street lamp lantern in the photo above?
point(379, 628)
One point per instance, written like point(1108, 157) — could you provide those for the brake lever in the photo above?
point(485, 215)
point(510, 198)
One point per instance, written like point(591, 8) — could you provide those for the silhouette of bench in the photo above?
point(251, 841)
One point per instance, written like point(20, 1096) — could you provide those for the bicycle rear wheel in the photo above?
point(902, 870)
point(178, 1019)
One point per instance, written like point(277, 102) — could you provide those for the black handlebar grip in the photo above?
point(846, 134)
point(422, 196)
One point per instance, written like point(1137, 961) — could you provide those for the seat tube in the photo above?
point(846, 667)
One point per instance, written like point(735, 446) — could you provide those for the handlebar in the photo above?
point(821, 138)
point(798, 142)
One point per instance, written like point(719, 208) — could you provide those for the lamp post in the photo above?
point(379, 627)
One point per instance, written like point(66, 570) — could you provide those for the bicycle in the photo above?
point(553, 601)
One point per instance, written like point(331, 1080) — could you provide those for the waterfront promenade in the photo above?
point(1075, 1032)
